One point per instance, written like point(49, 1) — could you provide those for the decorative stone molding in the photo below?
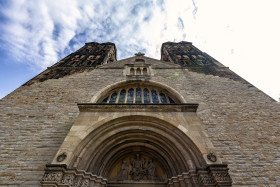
point(212, 157)
point(220, 174)
point(139, 54)
point(61, 157)
point(59, 176)
point(214, 175)
point(138, 107)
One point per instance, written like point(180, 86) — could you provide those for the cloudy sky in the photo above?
point(242, 34)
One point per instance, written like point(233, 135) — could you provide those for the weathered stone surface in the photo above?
point(85, 59)
point(241, 121)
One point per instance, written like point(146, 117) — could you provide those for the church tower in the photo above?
point(185, 120)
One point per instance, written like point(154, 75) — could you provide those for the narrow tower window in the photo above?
point(145, 72)
point(131, 71)
point(138, 71)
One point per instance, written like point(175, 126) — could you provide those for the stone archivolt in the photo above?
point(129, 147)
point(177, 160)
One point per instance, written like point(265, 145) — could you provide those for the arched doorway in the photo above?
point(139, 151)
point(123, 142)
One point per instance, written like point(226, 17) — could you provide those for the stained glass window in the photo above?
point(130, 95)
point(163, 98)
point(113, 98)
point(138, 95)
point(105, 100)
point(138, 98)
point(154, 97)
point(170, 100)
point(146, 96)
point(122, 96)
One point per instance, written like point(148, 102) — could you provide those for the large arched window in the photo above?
point(139, 94)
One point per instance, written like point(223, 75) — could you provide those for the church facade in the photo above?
point(184, 120)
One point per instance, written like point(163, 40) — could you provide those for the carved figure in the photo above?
point(138, 170)
point(139, 54)
point(123, 175)
point(151, 170)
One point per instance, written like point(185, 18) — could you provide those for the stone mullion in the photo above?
point(134, 94)
point(118, 95)
point(150, 94)
point(159, 100)
point(167, 98)
point(125, 97)
point(142, 95)
point(109, 97)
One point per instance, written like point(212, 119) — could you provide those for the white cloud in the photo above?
point(241, 34)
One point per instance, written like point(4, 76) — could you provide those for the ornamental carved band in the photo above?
point(58, 175)
point(215, 175)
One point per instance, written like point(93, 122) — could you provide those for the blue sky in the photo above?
point(243, 35)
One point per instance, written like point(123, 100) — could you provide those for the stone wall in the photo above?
point(240, 120)
point(35, 119)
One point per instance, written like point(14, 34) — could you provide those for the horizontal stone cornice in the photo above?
point(93, 107)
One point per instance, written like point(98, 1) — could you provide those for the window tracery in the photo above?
point(136, 94)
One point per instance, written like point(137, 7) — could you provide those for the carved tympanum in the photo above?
point(138, 170)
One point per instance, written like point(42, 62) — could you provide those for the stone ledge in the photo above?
point(93, 107)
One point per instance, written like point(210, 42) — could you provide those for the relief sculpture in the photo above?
point(139, 170)
point(123, 175)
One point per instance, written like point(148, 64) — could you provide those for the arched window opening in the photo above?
point(130, 95)
point(155, 97)
point(171, 100)
point(105, 100)
point(113, 98)
point(122, 96)
point(145, 72)
point(138, 71)
point(163, 98)
point(146, 96)
point(139, 94)
point(132, 71)
point(138, 98)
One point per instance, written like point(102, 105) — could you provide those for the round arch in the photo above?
point(103, 92)
point(111, 142)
